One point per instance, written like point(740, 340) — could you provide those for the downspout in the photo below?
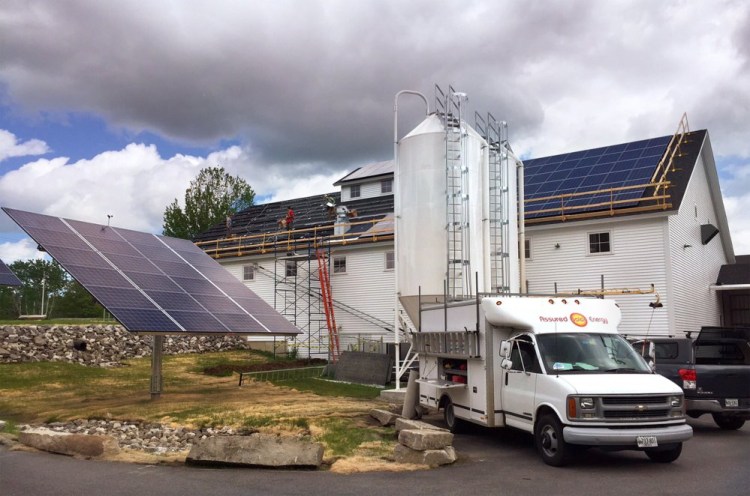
point(521, 226)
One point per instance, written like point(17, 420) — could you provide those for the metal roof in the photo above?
point(367, 171)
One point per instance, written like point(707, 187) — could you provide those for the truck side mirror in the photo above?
point(505, 347)
point(506, 363)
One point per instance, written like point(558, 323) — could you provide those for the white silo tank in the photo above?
point(421, 206)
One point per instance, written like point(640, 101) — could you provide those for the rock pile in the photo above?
point(147, 437)
point(97, 345)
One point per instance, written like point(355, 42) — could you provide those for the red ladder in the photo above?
point(327, 300)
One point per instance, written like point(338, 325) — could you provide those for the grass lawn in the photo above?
point(334, 413)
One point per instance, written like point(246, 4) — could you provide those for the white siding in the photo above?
point(367, 286)
point(696, 266)
point(637, 260)
point(369, 189)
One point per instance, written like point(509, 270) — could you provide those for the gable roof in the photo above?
point(608, 180)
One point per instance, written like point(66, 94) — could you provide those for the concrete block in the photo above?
point(256, 450)
point(364, 368)
point(433, 458)
point(402, 424)
point(68, 444)
point(425, 439)
point(383, 416)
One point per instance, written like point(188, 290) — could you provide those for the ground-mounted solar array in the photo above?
point(152, 283)
point(617, 166)
point(7, 277)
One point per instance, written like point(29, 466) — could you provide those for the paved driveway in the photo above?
point(714, 462)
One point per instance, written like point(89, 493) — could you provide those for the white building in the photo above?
point(622, 217)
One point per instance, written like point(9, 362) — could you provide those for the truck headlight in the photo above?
point(587, 403)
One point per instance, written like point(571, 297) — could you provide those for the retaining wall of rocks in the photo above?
point(98, 345)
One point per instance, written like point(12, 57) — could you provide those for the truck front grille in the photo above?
point(626, 408)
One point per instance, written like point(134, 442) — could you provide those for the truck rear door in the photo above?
point(722, 364)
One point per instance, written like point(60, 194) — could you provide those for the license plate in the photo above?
point(732, 402)
point(646, 441)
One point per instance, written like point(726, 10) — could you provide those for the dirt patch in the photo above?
point(228, 369)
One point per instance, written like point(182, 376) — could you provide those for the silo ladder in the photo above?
point(327, 300)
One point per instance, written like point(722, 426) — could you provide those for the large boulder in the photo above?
point(402, 424)
point(257, 450)
point(384, 416)
point(425, 439)
point(68, 444)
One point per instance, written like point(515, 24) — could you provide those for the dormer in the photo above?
point(368, 181)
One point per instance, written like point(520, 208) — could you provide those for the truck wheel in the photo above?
point(665, 455)
point(454, 424)
point(728, 423)
point(548, 437)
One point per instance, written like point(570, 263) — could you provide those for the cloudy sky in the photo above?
point(113, 107)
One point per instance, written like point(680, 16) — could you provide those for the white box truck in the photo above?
point(554, 367)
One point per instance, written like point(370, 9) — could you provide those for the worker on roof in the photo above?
point(330, 205)
point(229, 226)
point(286, 222)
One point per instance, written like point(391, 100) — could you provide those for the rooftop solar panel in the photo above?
point(152, 283)
point(627, 164)
point(7, 277)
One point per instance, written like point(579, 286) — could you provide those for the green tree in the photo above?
point(76, 302)
point(41, 279)
point(211, 197)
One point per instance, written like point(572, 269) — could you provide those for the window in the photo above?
point(599, 243)
point(390, 260)
point(386, 186)
point(354, 191)
point(339, 265)
point(527, 248)
point(523, 356)
point(248, 273)
point(291, 268)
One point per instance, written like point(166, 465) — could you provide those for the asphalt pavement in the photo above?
point(496, 462)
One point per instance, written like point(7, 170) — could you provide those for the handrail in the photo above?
point(288, 240)
point(660, 202)
point(666, 164)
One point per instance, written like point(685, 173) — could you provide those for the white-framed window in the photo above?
point(600, 242)
point(386, 186)
point(339, 264)
point(390, 260)
point(290, 268)
point(248, 273)
point(355, 191)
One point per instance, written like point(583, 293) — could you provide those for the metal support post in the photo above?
point(157, 381)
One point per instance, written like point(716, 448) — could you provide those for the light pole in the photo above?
point(396, 217)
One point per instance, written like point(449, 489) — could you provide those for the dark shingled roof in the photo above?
point(736, 273)
point(308, 212)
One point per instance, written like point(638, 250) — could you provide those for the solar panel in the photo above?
point(7, 277)
point(627, 164)
point(152, 283)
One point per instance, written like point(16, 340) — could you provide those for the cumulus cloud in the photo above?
point(307, 87)
point(11, 147)
point(23, 249)
point(136, 184)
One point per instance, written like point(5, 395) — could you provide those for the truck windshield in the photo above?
point(579, 353)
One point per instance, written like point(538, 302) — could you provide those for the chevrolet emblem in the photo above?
point(641, 408)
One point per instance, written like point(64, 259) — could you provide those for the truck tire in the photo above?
point(455, 425)
point(665, 455)
point(727, 422)
point(548, 437)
